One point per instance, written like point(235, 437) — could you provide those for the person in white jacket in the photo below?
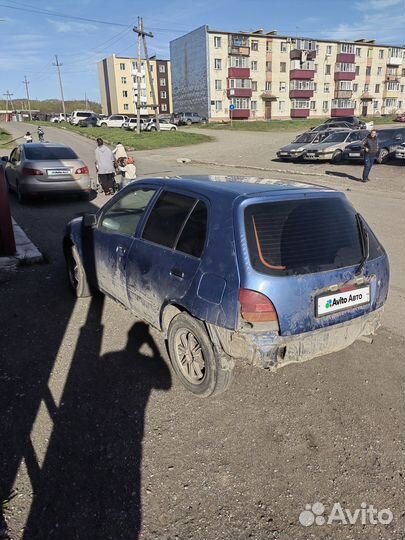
point(119, 152)
point(128, 170)
point(105, 166)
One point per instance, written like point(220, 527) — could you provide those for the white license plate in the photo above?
point(283, 153)
point(58, 172)
point(354, 154)
point(331, 303)
point(310, 156)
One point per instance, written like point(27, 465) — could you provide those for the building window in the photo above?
point(151, 68)
point(255, 45)
point(300, 104)
point(163, 94)
point(218, 63)
point(370, 53)
point(217, 42)
point(283, 67)
point(396, 52)
point(283, 46)
point(366, 87)
point(357, 70)
point(329, 49)
point(381, 53)
point(241, 103)
point(347, 48)
point(403, 72)
point(253, 105)
point(123, 80)
point(240, 83)
point(345, 85)
point(163, 107)
point(268, 46)
point(375, 104)
point(355, 87)
point(368, 70)
point(267, 86)
point(162, 82)
point(218, 84)
point(253, 65)
point(327, 69)
point(122, 66)
point(326, 88)
point(316, 68)
point(126, 107)
point(325, 106)
point(313, 105)
point(254, 86)
point(125, 93)
point(162, 68)
point(358, 51)
point(377, 88)
point(379, 71)
point(282, 87)
point(302, 85)
point(239, 61)
point(268, 66)
point(218, 106)
point(402, 88)
point(281, 106)
point(345, 67)
point(399, 104)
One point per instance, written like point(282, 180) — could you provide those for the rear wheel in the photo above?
point(103, 124)
point(77, 274)
point(153, 128)
point(189, 122)
point(337, 156)
point(193, 359)
point(173, 129)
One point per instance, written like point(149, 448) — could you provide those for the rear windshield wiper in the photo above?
point(365, 244)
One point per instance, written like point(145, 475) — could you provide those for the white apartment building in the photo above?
point(264, 76)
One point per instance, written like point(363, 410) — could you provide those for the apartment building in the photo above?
point(118, 79)
point(264, 75)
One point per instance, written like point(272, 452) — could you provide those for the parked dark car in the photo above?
point(229, 270)
point(388, 139)
point(335, 125)
point(91, 121)
point(354, 120)
point(400, 118)
point(188, 118)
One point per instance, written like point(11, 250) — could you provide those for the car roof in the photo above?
point(236, 186)
point(46, 145)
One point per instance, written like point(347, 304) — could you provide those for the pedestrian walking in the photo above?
point(28, 137)
point(41, 134)
point(371, 150)
point(119, 153)
point(105, 167)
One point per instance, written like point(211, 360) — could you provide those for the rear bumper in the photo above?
point(271, 351)
point(33, 186)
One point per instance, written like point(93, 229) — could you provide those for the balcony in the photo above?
point(390, 93)
point(392, 78)
point(343, 94)
point(345, 75)
point(345, 58)
point(305, 74)
point(302, 93)
point(239, 92)
point(342, 112)
point(240, 114)
point(238, 73)
point(242, 51)
point(299, 54)
point(299, 113)
point(394, 60)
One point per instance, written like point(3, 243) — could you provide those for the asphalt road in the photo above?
point(100, 441)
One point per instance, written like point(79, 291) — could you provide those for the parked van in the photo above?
point(79, 115)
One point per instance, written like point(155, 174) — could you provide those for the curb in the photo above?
point(288, 171)
point(27, 252)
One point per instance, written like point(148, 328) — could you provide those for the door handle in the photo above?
point(120, 251)
point(175, 272)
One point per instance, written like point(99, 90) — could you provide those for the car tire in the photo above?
point(193, 358)
point(103, 124)
point(21, 198)
point(337, 156)
point(173, 129)
point(153, 128)
point(77, 274)
point(189, 122)
point(382, 156)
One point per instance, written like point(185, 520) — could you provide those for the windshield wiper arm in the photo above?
point(365, 244)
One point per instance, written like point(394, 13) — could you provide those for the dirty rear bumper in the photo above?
point(271, 351)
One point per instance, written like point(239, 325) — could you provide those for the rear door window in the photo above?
point(303, 236)
point(167, 218)
point(192, 238)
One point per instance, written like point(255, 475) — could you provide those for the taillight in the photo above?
point(256, 307)
point(27, 171)
point(82, 170)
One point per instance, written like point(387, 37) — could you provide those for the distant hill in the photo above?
point(52, 105)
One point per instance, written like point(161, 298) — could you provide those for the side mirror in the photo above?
point(89, 220)
point(4, 158)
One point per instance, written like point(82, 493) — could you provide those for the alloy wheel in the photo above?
point(189, 356)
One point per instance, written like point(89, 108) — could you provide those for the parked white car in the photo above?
point(164, 125)
point(131, 124)
point(115, 120)
point(76, 116)
point(59, 118)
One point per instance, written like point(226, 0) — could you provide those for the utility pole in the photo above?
point(28, 96)
point(140, 30)
point(8, 98)
point(137, 29)
point(86, 101)
point(58, 66)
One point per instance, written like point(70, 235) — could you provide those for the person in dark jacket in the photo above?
point(371, 150)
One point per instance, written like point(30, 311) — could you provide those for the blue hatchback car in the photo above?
point(263, 271)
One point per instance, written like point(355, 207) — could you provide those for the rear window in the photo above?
point(304, 236)
point(46, 153)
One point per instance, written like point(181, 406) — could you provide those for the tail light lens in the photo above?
point(256, 307)
point(82, 170)
point(27, 171)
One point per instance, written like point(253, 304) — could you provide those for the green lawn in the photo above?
point(284, 125)
point(132, 141)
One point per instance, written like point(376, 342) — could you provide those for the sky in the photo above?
point(90, 30)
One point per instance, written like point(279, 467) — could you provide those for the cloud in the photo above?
point(377, 4)
point(69, 27)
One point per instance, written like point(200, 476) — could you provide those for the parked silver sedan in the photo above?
point(331, 148)
point(37, 169)
point(302, 144)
